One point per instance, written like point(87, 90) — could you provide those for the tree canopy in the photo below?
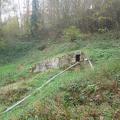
point(38, 16)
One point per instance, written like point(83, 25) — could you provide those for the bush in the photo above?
point(42, 47)
point(11, 28)
point(102, 30)
point(2, 44)
point(105, 23)
point(72, 33)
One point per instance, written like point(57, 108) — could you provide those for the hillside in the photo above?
point(79, 94)
point(59, 59)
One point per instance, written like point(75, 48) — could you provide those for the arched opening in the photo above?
point(77, 58)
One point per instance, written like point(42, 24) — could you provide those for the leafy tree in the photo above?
point(11, 28)
point(71, 33)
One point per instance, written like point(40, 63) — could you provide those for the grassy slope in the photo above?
point(100, 48)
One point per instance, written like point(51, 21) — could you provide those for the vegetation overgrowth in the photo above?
point(32, 31)
point(69, 92)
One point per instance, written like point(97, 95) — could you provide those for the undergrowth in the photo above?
point(77, 95)
point(94, 97)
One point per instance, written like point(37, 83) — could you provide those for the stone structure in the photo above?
point(60, 62)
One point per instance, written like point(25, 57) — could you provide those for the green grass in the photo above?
point(100, 48)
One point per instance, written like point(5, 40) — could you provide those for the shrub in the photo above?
point(105, 24)
point(102, 30)
point(11, 28)
point(2, 42)
point(72, 33)
point(42, 47)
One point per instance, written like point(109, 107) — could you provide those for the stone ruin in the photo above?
point(60, 62)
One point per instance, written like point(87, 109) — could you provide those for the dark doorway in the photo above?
point(78, 58)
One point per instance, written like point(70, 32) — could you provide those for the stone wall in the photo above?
point(58, 62)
